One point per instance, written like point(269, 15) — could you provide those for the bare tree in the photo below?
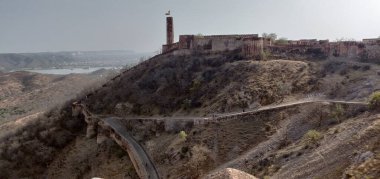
point(272, 36)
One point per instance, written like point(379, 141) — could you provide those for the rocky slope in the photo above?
point(275, 144)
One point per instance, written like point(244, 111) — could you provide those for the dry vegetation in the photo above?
point(259, 144)
point(30, 139)
point(348, 79)
point(374, 101)
point(53, 145)
point(296, 142)
point(203, 84)
point(24, 93)
point(30, 148)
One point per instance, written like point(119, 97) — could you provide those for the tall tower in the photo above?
point(169, 30)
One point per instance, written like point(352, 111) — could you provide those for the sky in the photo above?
point(139, 25)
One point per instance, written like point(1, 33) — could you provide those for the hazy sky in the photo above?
point(139, 25)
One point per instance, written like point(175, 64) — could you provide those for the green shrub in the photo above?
point(374, 100)
point(312, 136)
point(182, 135)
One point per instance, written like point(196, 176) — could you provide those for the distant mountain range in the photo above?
point(69, 59)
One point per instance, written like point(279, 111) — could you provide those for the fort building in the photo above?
point(250, 45)
point(253, 46)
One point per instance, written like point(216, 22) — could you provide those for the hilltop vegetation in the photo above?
point(203, 84)
point(219, 83)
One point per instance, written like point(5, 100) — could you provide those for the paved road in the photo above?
point(140, 154)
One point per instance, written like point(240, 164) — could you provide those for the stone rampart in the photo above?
point(155, 126)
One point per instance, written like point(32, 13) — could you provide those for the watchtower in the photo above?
point(169, 29)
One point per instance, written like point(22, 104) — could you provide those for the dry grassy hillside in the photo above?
point(24, 93)
point(203, 84)
point(267, 143)
point(29, 138)
point(348, 79)
point(222, 83)
point(53, 145)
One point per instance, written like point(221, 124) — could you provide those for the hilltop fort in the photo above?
point(218, 106)
point(253, 46)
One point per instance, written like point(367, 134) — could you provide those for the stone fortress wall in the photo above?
point(368, 48)
point(253, 46)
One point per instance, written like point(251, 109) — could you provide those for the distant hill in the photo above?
point(16, 61)
point(23, 93)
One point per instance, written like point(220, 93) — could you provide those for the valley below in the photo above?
point(24, 93)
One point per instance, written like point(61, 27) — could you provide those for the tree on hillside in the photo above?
point(282, 41)
point(272, 36)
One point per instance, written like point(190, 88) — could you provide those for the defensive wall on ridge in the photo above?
point(130, 133)
point(152, 126)
point(349, 49)
point(250, 45)
point(253, 46)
